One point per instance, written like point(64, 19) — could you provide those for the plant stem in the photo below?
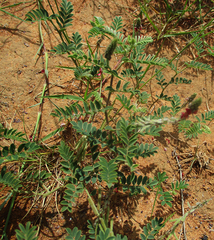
point(39, 114)
point(146, 14)
point(99, 198)
point(95, 210)
point(91, 202)
point(108, 100)
point(4, 235)
point(156, 195)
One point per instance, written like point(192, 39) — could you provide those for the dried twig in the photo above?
point(182, 196)
point(171, 231)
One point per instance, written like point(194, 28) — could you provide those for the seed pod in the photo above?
point(192, 97)
point(195, 105)
point(138, 23)
point(110, 49)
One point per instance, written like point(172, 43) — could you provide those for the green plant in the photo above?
point(26, 233)
point(95, 155)
point(171, 14)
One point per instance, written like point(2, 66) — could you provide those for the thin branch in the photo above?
point(182, 196)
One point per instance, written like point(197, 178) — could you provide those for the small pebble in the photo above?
point(16, 120)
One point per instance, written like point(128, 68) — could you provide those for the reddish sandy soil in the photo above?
point(21, 83)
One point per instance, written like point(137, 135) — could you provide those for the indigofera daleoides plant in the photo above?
point(94, 155)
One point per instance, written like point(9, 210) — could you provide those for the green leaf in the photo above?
point(150, 230)
point(88, 169)
point(52, 134)
point(74, 234)
point(118, 85)
point(108, 171)
point(117, 23)
point(63, 48)
point(70, 97)
point(175, 102)
point(198, 65)
point(180, 80)
point(65, 15)
point(26, 233)
point(37, 15)
point(12, 134)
